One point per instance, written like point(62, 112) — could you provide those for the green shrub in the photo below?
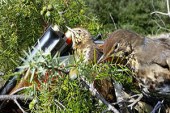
point(131, 14)
point(56, 92)
point(23, 22)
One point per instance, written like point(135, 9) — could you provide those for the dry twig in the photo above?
point(135, 101)
point(113, 20)
point(13, 97)
point(18, 90)
point(16, 102)
point(168, 11)
point(96, 94)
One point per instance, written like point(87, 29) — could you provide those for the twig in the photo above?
point(120, 97)
point(20, 89)
point(113, 20)
point(167, 3)
point(65, 72)
point(96, 94)
point(135, 101)
point(60, 104)
point(168, 11)
point(160, 19)
point(19, 106)
point(157, 106)
point(137, 95)
point(57, 69)
point(158, 12)
point(13, 97)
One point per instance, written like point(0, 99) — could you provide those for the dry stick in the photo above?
point(18, 90)
point(60, 104)
point(137, 104)
point(16, 102)
point(135, 101)
point(158, 15)
point(167, 3)
point(96, 94)
point(57, 69)
point(120, 97)
point(168, 11)
point(158, 12)
point(18, 87)
point(112, 20)
point(13, 97)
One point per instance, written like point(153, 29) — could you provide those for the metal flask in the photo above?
point(53, 41)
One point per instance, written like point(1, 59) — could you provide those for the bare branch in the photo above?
point(157, 106)
point(168, 12)
point(19, 106)
point(126, 102)
point(121, 97)
point(167, 3)
point(96, 94)
point(158, 12)
point(112, 20)
point(18, 90)
point(57, 69)
point(140, 96)
point(60, 104)
point(13, 97)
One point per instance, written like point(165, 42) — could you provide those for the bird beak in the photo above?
point(70, 34)
point(69, 29)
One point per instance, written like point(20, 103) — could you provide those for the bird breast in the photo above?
point(86, 53)
point(83, 52)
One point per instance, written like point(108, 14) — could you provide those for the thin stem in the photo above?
point(19, 106)
point(167, 3)
point(13, 97)
point(96, 94)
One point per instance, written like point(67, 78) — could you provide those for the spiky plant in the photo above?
point(53, 89)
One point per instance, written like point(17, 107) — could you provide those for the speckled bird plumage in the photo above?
point(148, 58)
point(84, 46)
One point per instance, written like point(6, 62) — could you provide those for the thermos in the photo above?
point(52, 41)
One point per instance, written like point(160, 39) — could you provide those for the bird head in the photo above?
point(118, 44)
point(79, 36)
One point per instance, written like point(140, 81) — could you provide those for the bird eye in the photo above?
point(117, 45)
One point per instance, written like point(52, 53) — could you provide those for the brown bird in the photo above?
point(85, 48)
point(149, 58)
point(83, 45)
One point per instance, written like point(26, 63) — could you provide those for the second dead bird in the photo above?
point(149, 58)
point(84, 46)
